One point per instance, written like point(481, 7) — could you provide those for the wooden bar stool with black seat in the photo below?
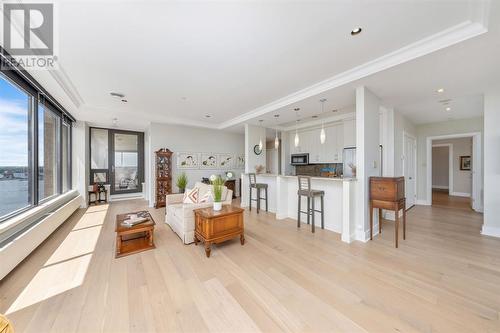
point(306, 191)
point(258, 187)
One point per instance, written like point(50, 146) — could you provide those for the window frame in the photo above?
point(38, 95)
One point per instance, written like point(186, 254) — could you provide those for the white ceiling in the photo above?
point(244, 61)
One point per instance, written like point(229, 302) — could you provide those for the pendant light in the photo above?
point(260, 137)
point(276, 140)
point(296, 140)
point(322, 134)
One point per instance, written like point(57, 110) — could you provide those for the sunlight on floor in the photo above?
point(67, 266)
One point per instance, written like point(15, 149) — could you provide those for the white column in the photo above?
point(367, 156)
point(80, 159)
point(491, 225)
point(348, 212)
point(253, 134)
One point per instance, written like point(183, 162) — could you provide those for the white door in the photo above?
point(409, 169)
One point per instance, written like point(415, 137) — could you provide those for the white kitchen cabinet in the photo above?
point(349, 133)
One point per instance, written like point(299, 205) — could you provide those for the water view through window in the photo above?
point(14, 143)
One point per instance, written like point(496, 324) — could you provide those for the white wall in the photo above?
point(252, 136)
point(459, 126)
point(491, 163)
point(191, 139)
point(80, 172)
point(462, 179)
point(440, 167)
point(367, 156)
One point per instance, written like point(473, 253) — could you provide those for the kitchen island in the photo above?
point(283, 201)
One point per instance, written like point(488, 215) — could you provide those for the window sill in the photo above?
point(37, 212)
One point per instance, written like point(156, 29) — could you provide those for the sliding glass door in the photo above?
point(117, 159)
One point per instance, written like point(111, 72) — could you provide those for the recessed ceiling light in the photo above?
point(440, 90)
point(448, 109)
point(296, 109)
point(124, 101)
point(276, 116)
point(356, 31)
point(184, 98)
point(208, 116)
point(117, 95)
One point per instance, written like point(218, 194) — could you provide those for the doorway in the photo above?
point(464, 171)
point(117, 159)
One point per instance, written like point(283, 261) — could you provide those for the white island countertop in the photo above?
point(338, 179)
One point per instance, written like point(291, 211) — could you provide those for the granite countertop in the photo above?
point(317, 178)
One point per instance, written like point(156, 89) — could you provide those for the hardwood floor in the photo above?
point(442, 199)
point(444, 278)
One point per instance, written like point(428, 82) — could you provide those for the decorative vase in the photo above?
point(217, 206)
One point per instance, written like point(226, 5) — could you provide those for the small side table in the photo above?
point(98, 196)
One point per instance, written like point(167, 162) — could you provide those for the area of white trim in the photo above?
point(490, 231)
point(438, 41)
point(405, 135)
point(450, 165)
point(423, 203)
point(460, 194)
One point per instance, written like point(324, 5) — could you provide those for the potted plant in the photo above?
point(182, 181)
point(217, 186)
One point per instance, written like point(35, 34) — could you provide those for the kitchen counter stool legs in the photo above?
point(306, 191)
point(258, 187)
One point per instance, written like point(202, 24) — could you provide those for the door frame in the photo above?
point(450, 165)
point(111, 159)
point(477, 186)
point(406, 134)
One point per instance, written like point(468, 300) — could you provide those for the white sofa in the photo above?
point(180, 217)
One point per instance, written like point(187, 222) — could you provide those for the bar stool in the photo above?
point(306, 191)
point(258, 187)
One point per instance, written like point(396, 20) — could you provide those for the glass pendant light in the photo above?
point(296, 140)
point(276, 140)
point(322, 134)
point(260, 138)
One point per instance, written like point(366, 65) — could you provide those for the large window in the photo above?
point(48, 137)
point(35, 140)
point(15, 109)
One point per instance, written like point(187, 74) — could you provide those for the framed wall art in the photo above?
point(188, 160)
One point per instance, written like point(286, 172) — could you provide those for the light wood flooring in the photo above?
point(444, 278)
point(443, 199)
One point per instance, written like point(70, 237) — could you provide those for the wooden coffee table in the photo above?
point(133, 239)
point(218, 226)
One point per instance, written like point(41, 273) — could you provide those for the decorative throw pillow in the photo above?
point(191, 196)
point(207, 197)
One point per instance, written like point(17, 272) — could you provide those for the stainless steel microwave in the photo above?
point(299, 159)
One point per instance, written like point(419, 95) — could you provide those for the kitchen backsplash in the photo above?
point(319, 170)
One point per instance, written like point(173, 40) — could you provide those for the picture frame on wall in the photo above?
point(187, 160)
point(226, 161)
point(209, 161)
point(465, 163)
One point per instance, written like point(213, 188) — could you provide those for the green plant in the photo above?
point(182, 181)
point(217, 185)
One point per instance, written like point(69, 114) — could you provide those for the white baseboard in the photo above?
point(423, 203)
point(460, 194)
point(490, 231)
point(439, 187)
point(364, 236)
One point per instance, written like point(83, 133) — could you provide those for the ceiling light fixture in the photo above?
point(115, 122)
point(448, 109)
point(276, 140)
point(440, 90)
point(208, 115)
point(117, 95)
point(124, 101)
point(322, 134)
point(356, 31)
point(296, 140)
